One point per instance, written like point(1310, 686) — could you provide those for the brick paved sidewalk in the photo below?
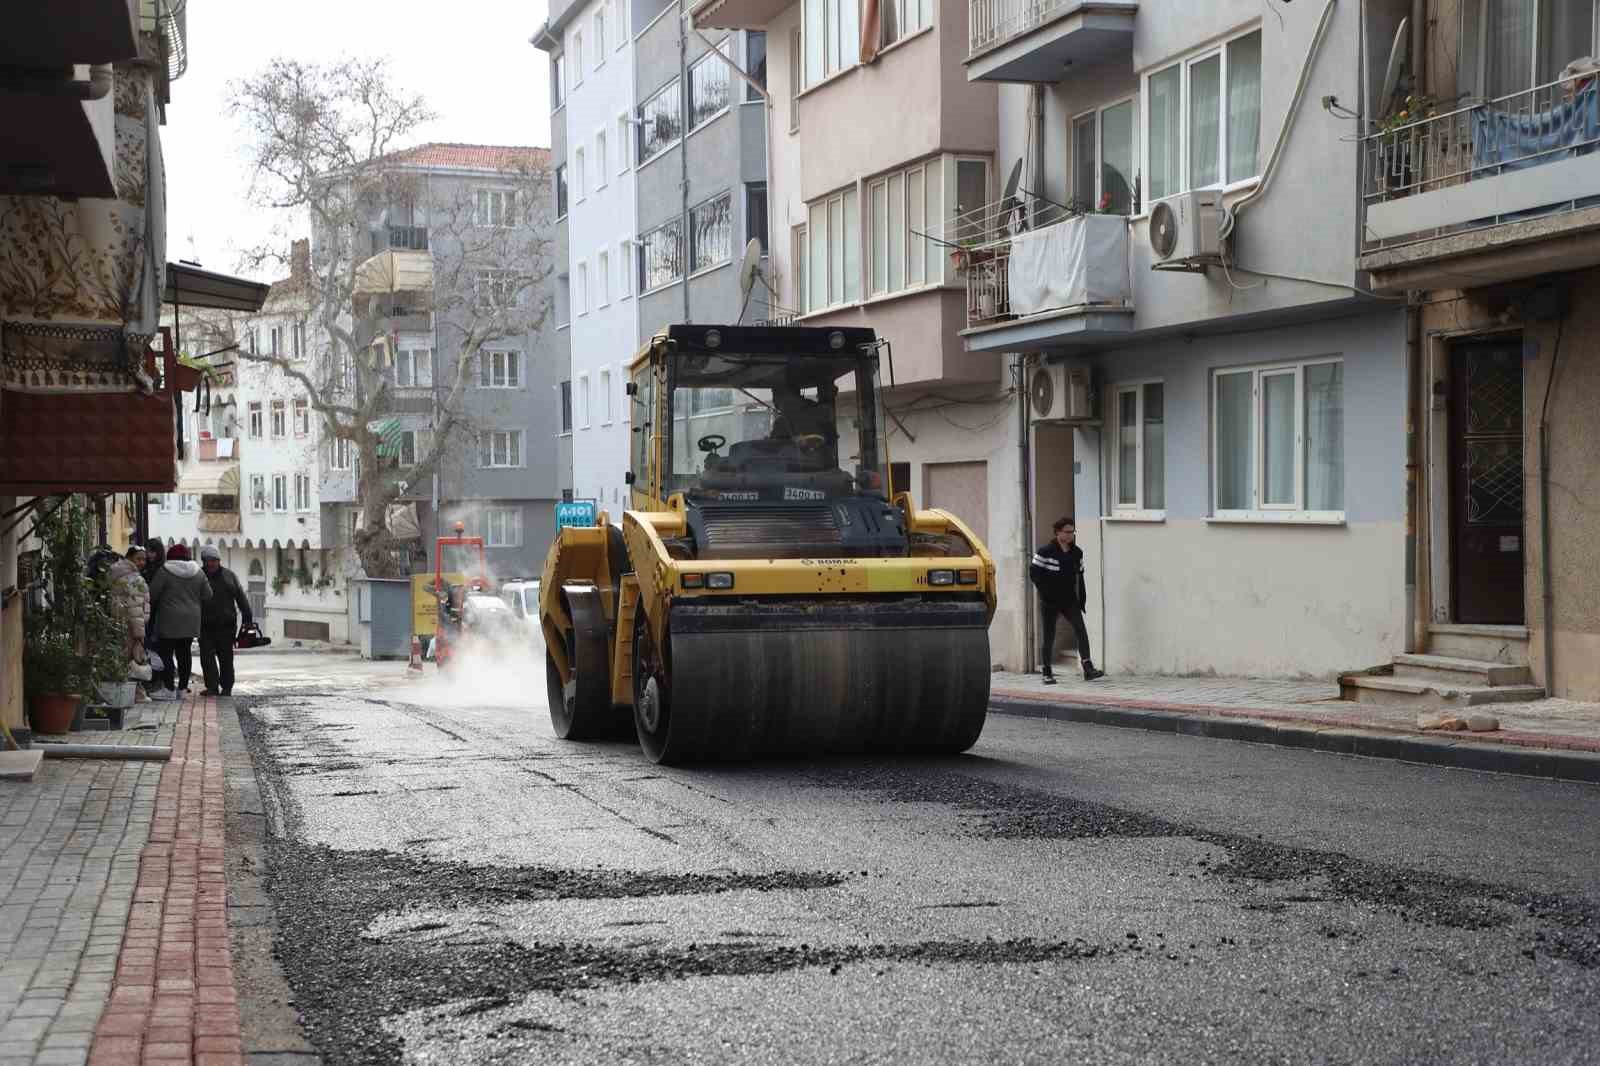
point(173, 999)
point(1553, 724)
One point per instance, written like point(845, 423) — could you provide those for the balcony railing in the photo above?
point(992, 21)
point(1482, 165)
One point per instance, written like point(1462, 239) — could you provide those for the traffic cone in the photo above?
point(415, 665)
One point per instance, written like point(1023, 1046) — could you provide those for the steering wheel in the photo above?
point(810, 442)
point(711, 442)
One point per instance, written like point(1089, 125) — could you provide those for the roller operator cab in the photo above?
point(766, 593)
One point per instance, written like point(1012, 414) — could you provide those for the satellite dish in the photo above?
point(1008, 200)
point(749, 268)
point(1399, 61)
point(1013, 180)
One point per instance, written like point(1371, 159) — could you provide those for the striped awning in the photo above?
point(388, 432)
point(211, 479)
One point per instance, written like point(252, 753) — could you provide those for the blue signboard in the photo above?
point(575, 513)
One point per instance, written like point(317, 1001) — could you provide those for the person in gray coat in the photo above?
point(176, 594)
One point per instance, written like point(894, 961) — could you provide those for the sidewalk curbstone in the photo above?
point(1517, 757)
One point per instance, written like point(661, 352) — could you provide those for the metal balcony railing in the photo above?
point(991, 21)
point(1524, 130)
point(409, 238)
point(981, 240)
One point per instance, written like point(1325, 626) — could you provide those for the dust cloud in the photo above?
point(503, 670)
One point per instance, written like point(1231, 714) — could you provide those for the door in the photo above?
point(963, 490)
point(1486, 477)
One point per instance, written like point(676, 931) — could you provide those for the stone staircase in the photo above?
point(1465, 666)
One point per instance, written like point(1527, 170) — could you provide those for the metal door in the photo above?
point(1486, 482)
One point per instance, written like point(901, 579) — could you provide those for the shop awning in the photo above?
point(396, 270)
point(389, 432)
point(212, 479)
point(189, 286)
point(94, 442)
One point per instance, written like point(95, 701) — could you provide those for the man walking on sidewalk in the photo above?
point(1057, 572)
point(219, 624)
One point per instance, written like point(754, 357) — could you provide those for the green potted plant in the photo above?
point(52, 673)
point(70, 637)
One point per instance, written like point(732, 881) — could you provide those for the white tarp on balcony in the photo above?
point(1075, 263)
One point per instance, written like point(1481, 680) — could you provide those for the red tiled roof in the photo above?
point(473, 156)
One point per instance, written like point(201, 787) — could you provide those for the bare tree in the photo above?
point(327, 146)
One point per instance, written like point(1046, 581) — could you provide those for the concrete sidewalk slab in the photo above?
point(20, 765)
point(1545, 738)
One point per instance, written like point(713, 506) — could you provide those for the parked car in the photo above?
point(523, 599)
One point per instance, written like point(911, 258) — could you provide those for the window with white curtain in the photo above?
point(413, 368)
point(708, 85)
point(1509, 46)
point(832, 38)
point(1279, 438)
point(660, 122)
point(499, 370)
point(1203, 119)
point(834, 235)
point(502, 527)
point(900, 205)
point(1141, 458)
point(711, 233)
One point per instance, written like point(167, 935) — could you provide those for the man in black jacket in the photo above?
point(218, 623)
point(1057, 572)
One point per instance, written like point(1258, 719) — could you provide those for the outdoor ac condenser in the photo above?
point(1063, 392)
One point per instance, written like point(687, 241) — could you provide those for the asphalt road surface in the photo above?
point(451, 884)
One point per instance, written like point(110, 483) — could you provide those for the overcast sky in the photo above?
point(470, 58)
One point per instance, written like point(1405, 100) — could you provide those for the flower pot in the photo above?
point(185, 378)
point(53, 713)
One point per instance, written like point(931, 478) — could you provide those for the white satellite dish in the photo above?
point(749, 271)
point(1399, 60)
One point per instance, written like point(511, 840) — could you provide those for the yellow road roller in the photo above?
point(766, 593)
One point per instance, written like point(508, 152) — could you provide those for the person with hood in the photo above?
point(131, 597)
point(179, 590)
point(219, 624)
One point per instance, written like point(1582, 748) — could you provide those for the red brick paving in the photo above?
point(173, 999)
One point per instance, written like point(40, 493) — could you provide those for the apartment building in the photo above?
point(560, 338)
point(1480, 203)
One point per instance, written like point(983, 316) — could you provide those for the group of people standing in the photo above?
point(169, 601)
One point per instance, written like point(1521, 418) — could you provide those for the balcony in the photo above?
point(217, 449)
point(736, 14)
point(1492, 192)
point(1042, 275)
point(1035, 40)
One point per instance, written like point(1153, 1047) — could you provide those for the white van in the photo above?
point(523, 599)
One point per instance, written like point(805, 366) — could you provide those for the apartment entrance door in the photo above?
point(1486, 478)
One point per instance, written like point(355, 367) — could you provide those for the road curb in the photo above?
point(1311, 735)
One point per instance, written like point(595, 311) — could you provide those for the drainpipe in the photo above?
point(1544, 518)
point(683, 149)
point(1419, 601)
point(1019, 370)
point(34, 81)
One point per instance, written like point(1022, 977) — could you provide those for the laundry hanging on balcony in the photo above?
point(1505, 140)
point(1079, 262)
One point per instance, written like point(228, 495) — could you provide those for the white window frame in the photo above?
point(580, 182)
point(510, 519)
point(188, 502)
point(624, 269)
point(297, 340)
point(799, 255)
point(561, 191)
point(1099, 114)
point(487, 280)
point(256, 420)
point(841, 31)
point(606, 397)
point(163, 501)
point(302, 493)
point(577, 58)
point(494, 207)
point(301, 417)
point(602, 278)
point(486, 449)
point(504, 364)
point(624, 142)
point(258, 493)
point(1260, 511)
point(797, 76)
point(904, 33)
point(930, 256)
point(278, 419)
point(843, 298)
point(585, 415)
point(418, 363)
point(601, 173)
point(341, 454)
point(1136, 509)
point(600, 37)
point(275, 338)
point(580, 276)
point(280, 493)
point(1186, 63)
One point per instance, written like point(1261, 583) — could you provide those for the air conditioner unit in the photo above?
point(1063, 392)
point(1183, 229)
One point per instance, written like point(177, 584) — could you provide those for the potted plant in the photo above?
point(52, 672)
point(69, 637)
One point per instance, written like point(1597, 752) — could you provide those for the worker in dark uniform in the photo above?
point(1057, 572)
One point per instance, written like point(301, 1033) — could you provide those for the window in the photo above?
point(1103, 177)
point(298, 339)
point(500, 370)
point(414, 446)
point(600, 171)
point(900, 205)
point(605, 396)
point(495, 207)
point(755, 214)
point(624, 138)
point(275, 340)
point(561, 191)
point(500, 448)
point(600, 37)
point(799, 253)
point(302, 492)
point(280, 420)
point(254, 415)
point(1203, 119)
point(502, 527)
point(252, 339)
point(413, 368)
point(834, 273)
point(342, 454)
point(624, 273)
point(602, 279)
point(711, 233)
point(577, 58)
point(902, 18)
point(1279, 438)
point(582, 276)
point(189, 502)
point(796, 79)
point(1141, 480)
point(558, 81)
point(582, 186)
point(755, 62)
point(280, 493)
point(660, 122)
point(708, 85)
point(162, 501)
point(972, 193)
point(302, 418)
point(566, 407)
point(1510, 46)
point(497, 288)
point(832, 33)
point(661, 256)
point(583, 401)
point(258, 493)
